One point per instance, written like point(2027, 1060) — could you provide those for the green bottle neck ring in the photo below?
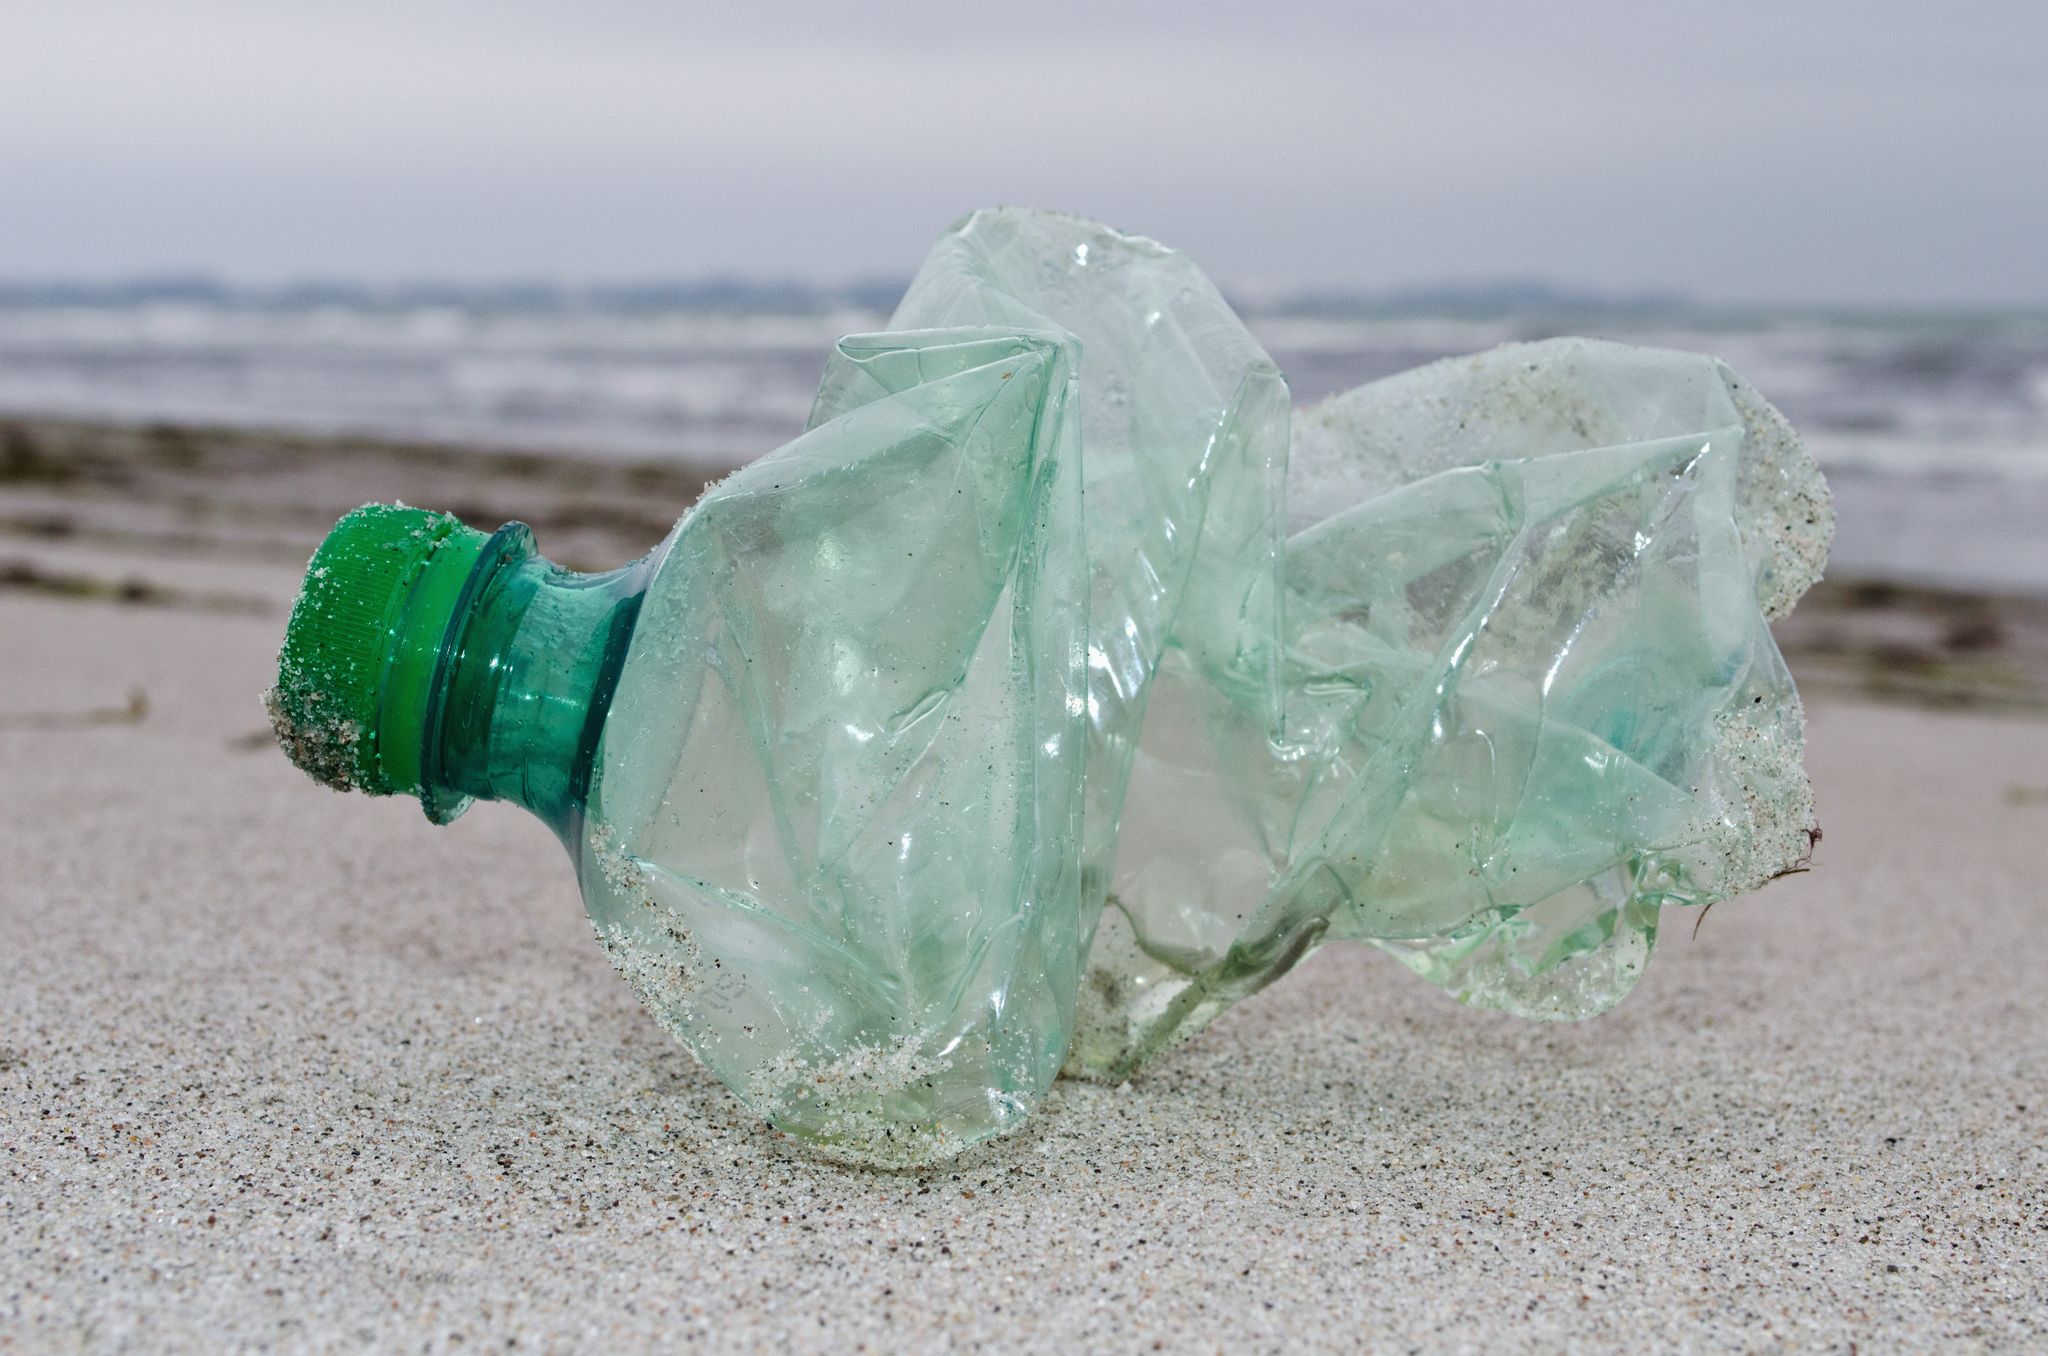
point(514, 705)
point(510, 546)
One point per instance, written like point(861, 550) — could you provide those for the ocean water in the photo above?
point(1933, 429)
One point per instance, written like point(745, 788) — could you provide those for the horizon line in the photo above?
point(767, 293)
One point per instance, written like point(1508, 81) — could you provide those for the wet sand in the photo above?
point(281, 1069)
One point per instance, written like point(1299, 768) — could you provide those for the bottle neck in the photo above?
point(522, 682)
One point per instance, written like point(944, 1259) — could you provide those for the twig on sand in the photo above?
point(133, 713)
point(1798, 868)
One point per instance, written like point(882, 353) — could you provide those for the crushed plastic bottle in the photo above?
point(1050, 693)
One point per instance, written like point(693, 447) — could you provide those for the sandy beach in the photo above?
point(286, 1071)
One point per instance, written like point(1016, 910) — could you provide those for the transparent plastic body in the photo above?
point(1030, 708)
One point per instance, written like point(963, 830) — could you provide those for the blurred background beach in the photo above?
point(1932, 424)
point(247, 248)
point(260, 263)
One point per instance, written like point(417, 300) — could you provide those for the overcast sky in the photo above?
point(1798, 150)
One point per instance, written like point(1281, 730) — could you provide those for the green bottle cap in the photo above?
point(357, 665)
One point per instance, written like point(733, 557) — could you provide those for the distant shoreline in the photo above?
point(142, 491)
point(1494, 298)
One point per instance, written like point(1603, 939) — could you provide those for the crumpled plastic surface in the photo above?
point(1050, 693)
